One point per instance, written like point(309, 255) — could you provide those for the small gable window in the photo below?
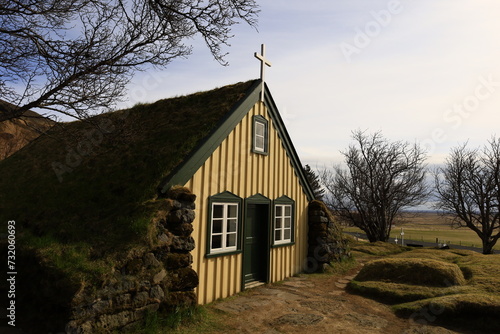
point(260, 135)
point(224, 224)
point(284, 224)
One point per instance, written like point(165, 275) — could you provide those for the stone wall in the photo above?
point(149, 279)
point(326, 241)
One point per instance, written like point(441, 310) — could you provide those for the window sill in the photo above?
point(260, 152)
point(283, 244)
point(223, 254)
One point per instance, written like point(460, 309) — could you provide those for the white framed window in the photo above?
point(224, 227)
point(283, 223)
point(260, 135)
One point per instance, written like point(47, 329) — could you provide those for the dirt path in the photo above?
point(312, 304)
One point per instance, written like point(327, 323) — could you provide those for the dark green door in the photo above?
point(256, 250)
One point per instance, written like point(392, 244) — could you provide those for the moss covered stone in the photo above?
point(326, 240)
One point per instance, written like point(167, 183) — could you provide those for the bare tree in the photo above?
point(468, 188)
point(75, 57)
point(382, 178)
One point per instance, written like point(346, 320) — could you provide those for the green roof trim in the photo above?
point(259, 199)
point(197, 158)
point(199, 155)
point(287, 143)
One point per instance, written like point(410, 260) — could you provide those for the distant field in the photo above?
point(428, 226)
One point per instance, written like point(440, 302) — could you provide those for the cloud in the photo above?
point(428, 58)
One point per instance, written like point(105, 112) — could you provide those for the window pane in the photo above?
point(231, 225)
point(216, 241)
point(259, 136)
point(217, 226)
point(288, 210)
point(278, 210)
point(288, 222)
point(277, 235)
point(278, 222)
point(218, 211)
point(231, 240)
point(232, 211)
point(259, 143)
point(224, 230)
point(287, 234)
point(259, 129)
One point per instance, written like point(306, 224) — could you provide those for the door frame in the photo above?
point(257, 199)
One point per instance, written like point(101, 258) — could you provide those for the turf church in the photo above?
point(252, 198)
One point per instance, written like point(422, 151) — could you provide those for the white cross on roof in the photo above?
point(263, 63)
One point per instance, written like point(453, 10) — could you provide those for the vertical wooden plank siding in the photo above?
point(233, 167)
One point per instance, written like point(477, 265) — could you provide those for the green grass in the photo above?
point(334, 268)
point(173, 320)
point(194, 320)
point(462, 236)
point(447, 284)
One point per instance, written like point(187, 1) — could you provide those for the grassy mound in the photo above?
point(457, 305)
point(394, 293)
point(475, 311)
point(412, 271)
point(436, 286)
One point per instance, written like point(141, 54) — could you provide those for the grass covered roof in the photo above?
point(84, 192)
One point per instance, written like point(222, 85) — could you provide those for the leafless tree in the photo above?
point(75, 57)
point(382, 178)
point(468, 188)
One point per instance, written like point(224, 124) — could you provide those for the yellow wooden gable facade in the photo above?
point(252, 198)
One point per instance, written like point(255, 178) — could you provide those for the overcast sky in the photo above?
point(425, 71)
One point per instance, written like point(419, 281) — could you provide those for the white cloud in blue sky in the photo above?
point(430, 71)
